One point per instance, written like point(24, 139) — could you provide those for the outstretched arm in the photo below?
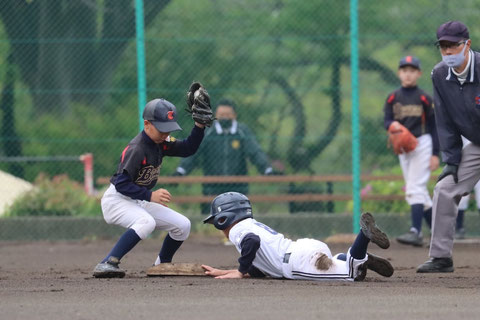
point(250, 244)
point(185, 147)
point(223, 274)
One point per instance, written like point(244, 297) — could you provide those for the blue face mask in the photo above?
point(455, 60)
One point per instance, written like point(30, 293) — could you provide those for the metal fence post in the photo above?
point(355, 114)
point(141, 77)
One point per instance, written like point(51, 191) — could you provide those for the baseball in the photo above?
point(196, 94)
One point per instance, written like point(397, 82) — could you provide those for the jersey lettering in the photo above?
point(403, 111)
point(147, 175)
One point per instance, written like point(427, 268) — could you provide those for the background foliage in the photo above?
point(58, 196)
point(68, 76)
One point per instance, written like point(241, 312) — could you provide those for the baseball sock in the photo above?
point(359, 246)
point(427, 215)
point(417, 216)
point(126, 243)
point(460, 217)
point(169, 248)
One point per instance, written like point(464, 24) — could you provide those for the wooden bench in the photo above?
point(300, 197)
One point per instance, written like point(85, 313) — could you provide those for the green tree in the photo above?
point(67, 51)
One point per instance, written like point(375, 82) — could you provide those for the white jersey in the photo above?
point(279, 257)
point(273, 246)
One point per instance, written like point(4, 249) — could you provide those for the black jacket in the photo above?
point(457, 108)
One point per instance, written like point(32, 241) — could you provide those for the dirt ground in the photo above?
point(45, 280)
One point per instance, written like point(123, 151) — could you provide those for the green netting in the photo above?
point(68, 77)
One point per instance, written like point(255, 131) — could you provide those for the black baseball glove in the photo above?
point(198, 102)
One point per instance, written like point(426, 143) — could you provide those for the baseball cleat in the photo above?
point(380, 265)
point(109, 269)
point(412, 238)
point(434, 265)
point(372, 232)
point(361, 272)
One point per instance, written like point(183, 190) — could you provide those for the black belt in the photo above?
point(286, 257)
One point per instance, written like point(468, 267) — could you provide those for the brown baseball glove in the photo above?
point(401, 139)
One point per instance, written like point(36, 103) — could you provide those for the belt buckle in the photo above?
point(286, 257)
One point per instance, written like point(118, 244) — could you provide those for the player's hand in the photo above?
point(232, 274)
point(434, 163)
point(213, 272)
point(161, 196)
point(449, 169)
point(222, 274)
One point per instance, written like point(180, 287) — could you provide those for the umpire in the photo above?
point(225, 149)
point(456, 84)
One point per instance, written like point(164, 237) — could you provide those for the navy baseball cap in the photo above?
point(409, 61)
point(162, 114)
point(453, 31)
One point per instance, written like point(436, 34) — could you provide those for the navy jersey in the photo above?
point(412, 107)
point(141, 160)
point(457, 108)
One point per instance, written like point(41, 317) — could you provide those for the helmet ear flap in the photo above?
point(220, 221)
point(228, 208)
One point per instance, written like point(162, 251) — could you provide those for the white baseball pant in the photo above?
point(143, 216)
point(304, 253)
point(416, 172)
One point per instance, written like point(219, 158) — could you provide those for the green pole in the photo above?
point(355, 115)
point(141, 78)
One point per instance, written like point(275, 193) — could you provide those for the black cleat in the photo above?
point(372, 232)
point(380, 265)
point(436, 265)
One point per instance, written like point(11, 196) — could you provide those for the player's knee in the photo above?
point(181, 230)
point(444, 187)
point(449, 190)
point(144, 226)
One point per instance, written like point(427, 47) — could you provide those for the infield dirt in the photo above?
point(53, 280)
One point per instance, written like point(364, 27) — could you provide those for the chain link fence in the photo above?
point(68, 77)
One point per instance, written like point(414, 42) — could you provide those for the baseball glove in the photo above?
point(401, 139)
point(198, 102)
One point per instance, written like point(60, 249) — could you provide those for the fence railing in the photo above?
point(279, 197)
